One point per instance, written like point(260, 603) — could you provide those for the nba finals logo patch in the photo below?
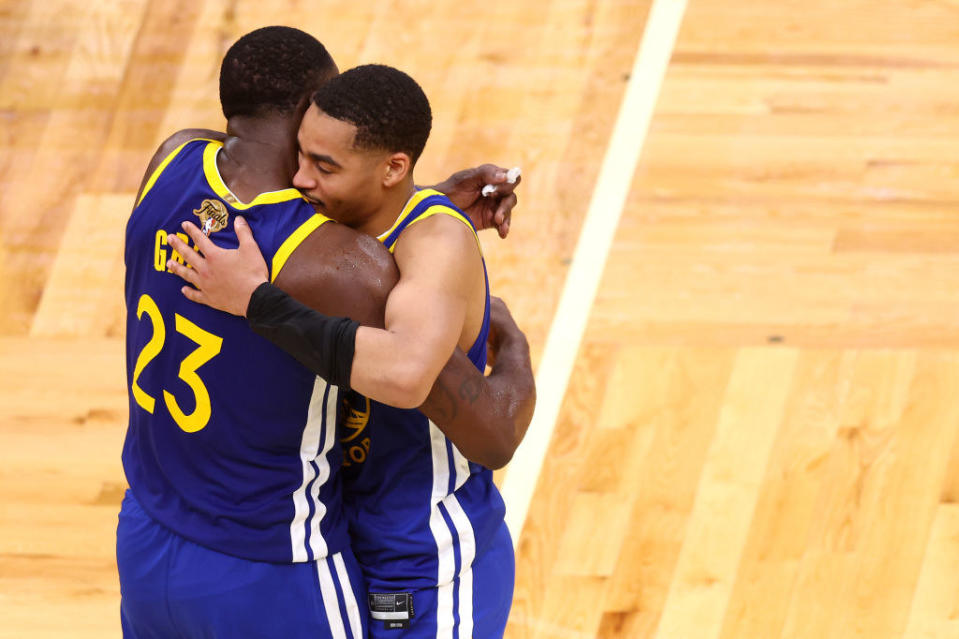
point(213, 216)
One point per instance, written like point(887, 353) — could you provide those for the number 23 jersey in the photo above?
point(231, 443)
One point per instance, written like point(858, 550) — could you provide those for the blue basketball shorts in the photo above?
point(172, 587)
point(476, 604)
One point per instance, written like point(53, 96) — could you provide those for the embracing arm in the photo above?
point(487, 417)
point(440, 269)
point(339, 272)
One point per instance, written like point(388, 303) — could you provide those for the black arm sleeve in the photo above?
point(323, 344)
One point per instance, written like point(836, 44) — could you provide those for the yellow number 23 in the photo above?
point(208, 347)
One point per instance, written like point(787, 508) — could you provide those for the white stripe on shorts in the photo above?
point(467, 554)
point(461, 465)
point(330, 602)
point(446, 561)
point(352, 609)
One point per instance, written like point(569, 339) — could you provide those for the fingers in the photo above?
point(193, 258)
point(505, 208)
point(500, 314)
point(244, 234)
point(491, 174)
point(248, 248)
point(504, 214)
point(200, 240)
point(193, 295)
point(188, 274)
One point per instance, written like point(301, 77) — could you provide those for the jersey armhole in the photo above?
point(162, 166)
point(439, 209)
point(293, 241)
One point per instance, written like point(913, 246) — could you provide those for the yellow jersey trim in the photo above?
point(293, 241)
point(436, 209)
point(157, 171)
point(223, 192)
point(439, 209)
point(418, 197)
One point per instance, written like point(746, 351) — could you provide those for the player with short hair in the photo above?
point(427, 524)
point(233, 524)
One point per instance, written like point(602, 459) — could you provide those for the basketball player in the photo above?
point(426, 523)
point(233, 524)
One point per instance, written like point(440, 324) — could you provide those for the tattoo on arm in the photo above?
point(442, 404)
point(470, 390)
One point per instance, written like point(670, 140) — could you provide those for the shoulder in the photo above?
point(443, 232)
point(339, 271)
point(170, 145)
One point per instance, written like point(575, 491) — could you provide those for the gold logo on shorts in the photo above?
point(213, 216)
point(355, 418)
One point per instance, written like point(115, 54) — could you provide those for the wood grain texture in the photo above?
point(761, 435)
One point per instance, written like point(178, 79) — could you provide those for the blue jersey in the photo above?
point(231, 442)
point(419, 511)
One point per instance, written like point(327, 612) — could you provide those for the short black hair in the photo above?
point(388, 108)
point(270, 70)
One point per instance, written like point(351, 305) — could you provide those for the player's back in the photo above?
point(231, 442)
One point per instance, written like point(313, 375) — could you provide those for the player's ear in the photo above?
point(398, 166)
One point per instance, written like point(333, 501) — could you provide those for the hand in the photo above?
point(465, 188)
point(224, 278)
point(502, 329)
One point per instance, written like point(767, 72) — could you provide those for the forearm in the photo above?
point(393, 369)
point(485, 417)
point(374, 362)
point(512, 378)
point(321, 343)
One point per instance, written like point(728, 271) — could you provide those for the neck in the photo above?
point(393, 203)
point(259, 155)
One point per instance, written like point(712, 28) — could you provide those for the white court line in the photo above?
point(602, 218)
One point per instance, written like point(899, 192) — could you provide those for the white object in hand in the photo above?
point(511, 177)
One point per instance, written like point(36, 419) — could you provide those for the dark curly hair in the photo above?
point(388, 108)
point(270, 70)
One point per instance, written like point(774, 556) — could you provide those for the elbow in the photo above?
point(518, 419)
point(408, 388)
point(496, 459)
point(499, 450)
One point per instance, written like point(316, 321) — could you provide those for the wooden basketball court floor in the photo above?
point(760, 435)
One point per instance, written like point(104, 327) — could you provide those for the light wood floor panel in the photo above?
point(794, 190)
point(934, 610)
point(787, 505)
point(760, 438)
point(61, 430)
point(726, 495)
point(92, 89)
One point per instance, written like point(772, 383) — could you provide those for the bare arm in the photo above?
point(440, 267)
point(339, 272)
point(342, 273)
point(487, 417)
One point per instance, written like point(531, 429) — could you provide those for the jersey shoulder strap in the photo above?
point(424, 204)
point(164, 164)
